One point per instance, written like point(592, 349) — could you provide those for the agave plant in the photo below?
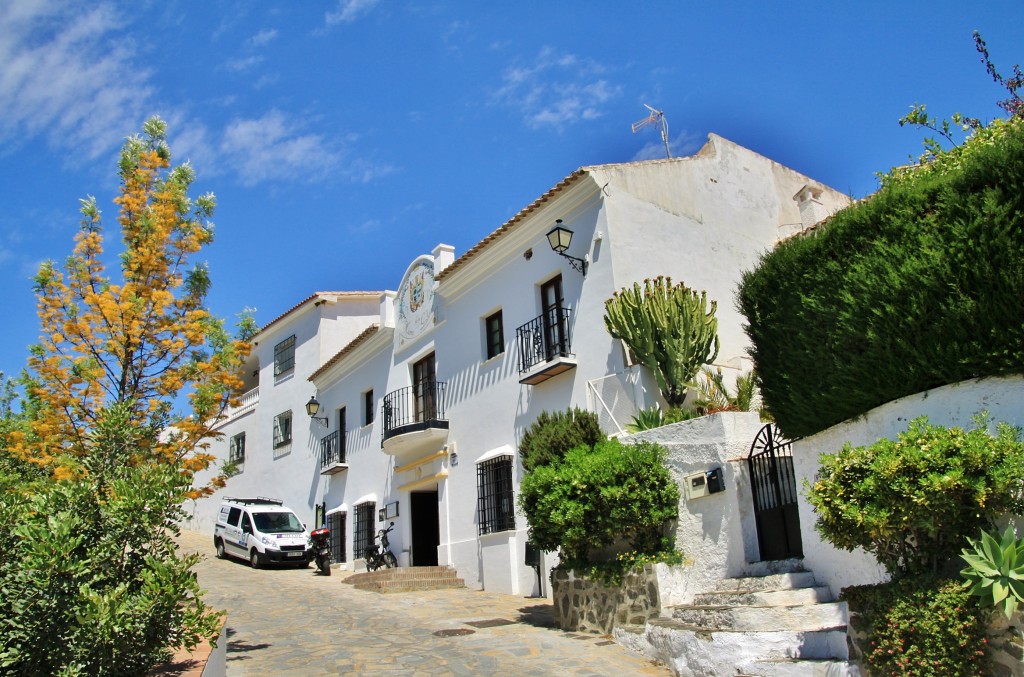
point(995, 570)
point(646, 419)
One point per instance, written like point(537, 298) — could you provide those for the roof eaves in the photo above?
point(349, 347)
point(317, 295)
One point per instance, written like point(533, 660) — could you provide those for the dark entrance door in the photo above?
point(553, 318)
point(426, 534)
point(424, 378)
point(774, 490)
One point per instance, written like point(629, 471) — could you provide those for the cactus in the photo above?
point(667, 328)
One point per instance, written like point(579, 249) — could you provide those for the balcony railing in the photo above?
point(415, 408)
point(544, 339)
point(332, 451)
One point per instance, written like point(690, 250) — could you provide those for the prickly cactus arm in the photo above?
point(668, 328)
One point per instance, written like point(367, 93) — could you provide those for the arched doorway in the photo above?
point(774, 492)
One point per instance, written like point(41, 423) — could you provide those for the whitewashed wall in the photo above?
point(951, 405)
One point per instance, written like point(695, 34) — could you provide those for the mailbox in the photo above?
point(532, 556)
point(703, 484)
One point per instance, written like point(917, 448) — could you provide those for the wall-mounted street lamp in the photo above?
point(312, 407)
point(560, 238)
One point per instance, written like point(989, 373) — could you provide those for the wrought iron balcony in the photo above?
point(545, 346)
point(416, 412)
point(332, 453)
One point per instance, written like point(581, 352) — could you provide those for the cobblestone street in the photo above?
point(294, 622)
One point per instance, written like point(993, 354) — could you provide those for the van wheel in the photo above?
point(255, 561)
point(220, 550)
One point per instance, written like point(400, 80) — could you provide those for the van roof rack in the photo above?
point(256, 501)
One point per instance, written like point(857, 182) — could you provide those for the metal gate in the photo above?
point(775, 495)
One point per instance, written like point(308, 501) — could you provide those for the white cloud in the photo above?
point(682, 145)
point(239, 65)
point(271, 148)
point(556, 89)
point(350, 10)
point(262, 38)
point(67, 77)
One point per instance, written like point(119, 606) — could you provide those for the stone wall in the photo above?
point(585, 605)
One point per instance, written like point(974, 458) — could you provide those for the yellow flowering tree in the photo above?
point(142, 340)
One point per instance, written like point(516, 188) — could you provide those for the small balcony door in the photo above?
point(424, 379)
point(552, 302)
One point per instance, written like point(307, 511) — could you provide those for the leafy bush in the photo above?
point(91, 581)
point(552, 435)
point(914, 288)
point(594, 498)
point(995, 571)
point(922, 627)
point(913, 502)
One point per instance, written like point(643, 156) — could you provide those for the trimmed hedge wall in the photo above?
point(919, 286)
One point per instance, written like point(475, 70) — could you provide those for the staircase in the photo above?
point(778, 625)
point(407, 579)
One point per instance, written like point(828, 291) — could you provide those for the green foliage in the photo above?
point(922, 627)
point(594, 498)
point(713, 395)
point(552, 435)
point(647, 419)
point(667, 328)
point(917, 287)
point(92, 583)
point(612, 572)
point(913, 502)
point(995, 571)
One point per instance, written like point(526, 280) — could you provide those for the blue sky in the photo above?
point(343, 138)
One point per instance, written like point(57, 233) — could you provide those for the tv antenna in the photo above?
point(655, 117)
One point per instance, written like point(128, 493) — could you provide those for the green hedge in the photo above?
point(919, 286)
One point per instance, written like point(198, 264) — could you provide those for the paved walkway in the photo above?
point(293, 622)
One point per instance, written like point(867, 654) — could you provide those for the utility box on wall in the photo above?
point(703, 483)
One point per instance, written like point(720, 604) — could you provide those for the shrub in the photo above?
point(913, 502)
point(594, 498)
point(552, 435)
point(91, 581)
point(922, 627)
point(916, 287)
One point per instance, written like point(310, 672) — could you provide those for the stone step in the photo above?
point(801, 617)
point(697, 651)
point(819, 593)
point(786, 581)
point(794, 667)
point(407, 579)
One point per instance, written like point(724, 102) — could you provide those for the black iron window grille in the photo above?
point(336, 523)
point(544, 338)
point(282, 429)
point(494, 335)
point(495, 506)
point(236, 448)
point(364, 535)
point(332, 449)
point(284, 356)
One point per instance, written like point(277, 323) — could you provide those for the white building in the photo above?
point(425, 407)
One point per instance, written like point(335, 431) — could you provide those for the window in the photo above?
point(364, 528)
point(494, 335)
point(282, 429)
point(284, 356)
point(495, 509)
point(236, 448)
point(424, 386)
point(233, 516)
point(368, 407)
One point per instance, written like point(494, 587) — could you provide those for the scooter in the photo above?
point(321, 549)
point(378, 556)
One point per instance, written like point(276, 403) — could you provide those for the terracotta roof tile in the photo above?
point(315, 295)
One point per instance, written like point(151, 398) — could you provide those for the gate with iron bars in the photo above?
point(775, 495)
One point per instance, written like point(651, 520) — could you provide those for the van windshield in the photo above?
point(277, 523)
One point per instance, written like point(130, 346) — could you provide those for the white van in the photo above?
point(261, 530)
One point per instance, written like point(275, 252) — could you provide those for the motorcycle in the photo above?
point(321, 549)
point(378, 556)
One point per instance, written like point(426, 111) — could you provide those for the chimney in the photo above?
point(387, 309)
point(444, 256)
point(811, 210)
